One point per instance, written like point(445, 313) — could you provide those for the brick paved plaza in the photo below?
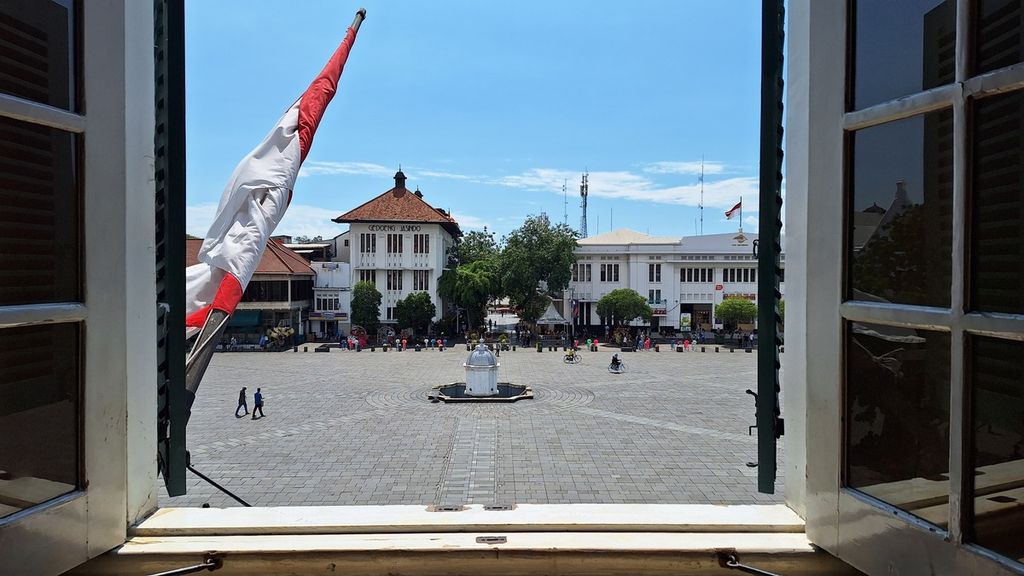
point(357, 428)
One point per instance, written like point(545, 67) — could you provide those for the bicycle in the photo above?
point(572, 358)
point(619, 370)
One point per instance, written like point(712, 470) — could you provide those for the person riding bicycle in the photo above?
point(616, 363)
point(570, 355)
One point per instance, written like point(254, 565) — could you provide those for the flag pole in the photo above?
point(360, 16)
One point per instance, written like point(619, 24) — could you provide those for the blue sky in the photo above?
point(488, 107)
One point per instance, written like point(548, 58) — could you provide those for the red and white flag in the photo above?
point(255, 200)
point(734, 210)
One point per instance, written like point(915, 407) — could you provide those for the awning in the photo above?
point(551, 317)
point(246, 318)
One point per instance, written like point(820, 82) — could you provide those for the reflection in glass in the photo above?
point(997, 380)
point(39, 397)
point(901, 192)
point(897, 414)
point(997, 205)
point(901, 48)
point(39, 215)
point(36, 59)
point(998, 35)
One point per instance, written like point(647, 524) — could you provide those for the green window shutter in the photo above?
point(169, 149)
point(769, 422)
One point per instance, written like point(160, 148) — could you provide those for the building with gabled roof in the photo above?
point(279, 294)
point(398, 242)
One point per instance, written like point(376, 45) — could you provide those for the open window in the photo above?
point(76, 303)
point(909, 140)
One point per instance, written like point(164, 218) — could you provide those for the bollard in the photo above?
point(702, 349)
point(295, 348)
point(680, 349)
point(716, 349)
point(749, 350)
point(731, 350)
point(657, 348)
point(417, 347)
point(513, 347)
point(305, 348)
point(373, 348)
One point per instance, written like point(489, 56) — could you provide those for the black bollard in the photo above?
point(716, 349)
point(305, 348)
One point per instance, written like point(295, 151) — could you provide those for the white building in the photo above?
point(683, 278)
point(330, 315)
point(399, 243)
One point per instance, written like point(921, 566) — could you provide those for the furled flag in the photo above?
point(256, 198)
point(732, 211)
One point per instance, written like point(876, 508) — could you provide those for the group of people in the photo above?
point(257, 405)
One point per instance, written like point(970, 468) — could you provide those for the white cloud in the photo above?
point(198, 219)
point(300, 220)
point(751, 221)
point(348, 168)
point(467, 222)
point(684, 167)
point(629, 186)
point(437, 174)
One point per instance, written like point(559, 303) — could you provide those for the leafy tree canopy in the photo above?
point(471, 287)
point(307, 239)
point(734, 311)
point(415, 311)
point(623, 305)
point(536, 256)
point(366, 305)
point(475, 246)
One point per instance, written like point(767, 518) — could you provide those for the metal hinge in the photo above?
point(491, 540)
point(731, 560)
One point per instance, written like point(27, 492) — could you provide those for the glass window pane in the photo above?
point(897, 414)
point(997, 198)
point(997, 380)
point(39, 400)
point(36, 51)
point(39, 215)
point(998, 36)
point(901, 48)
point(900, 230)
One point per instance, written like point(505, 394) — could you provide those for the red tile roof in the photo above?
point(276, 259)
point(400, 205)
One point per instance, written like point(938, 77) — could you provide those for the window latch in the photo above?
point(210, 563)
point(729, 559)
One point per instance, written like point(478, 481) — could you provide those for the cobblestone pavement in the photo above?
point(356, 428)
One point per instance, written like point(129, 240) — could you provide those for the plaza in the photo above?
point(356, 428)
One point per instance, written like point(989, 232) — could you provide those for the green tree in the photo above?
point(470, 287)
point(733, 311)
point(782, 310)
point(536, 256)
point(415, 311)
point(366, 306)
point(622, 306)
point(475, 246)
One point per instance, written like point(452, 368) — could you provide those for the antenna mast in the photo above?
point(565, 203)
point(583, 205)
point(701, 194)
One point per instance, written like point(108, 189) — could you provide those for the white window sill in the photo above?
point(540, 539)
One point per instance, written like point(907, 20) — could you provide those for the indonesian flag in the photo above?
point(732, 211)
point(255, 200)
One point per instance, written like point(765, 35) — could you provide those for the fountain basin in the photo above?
point(456, 392)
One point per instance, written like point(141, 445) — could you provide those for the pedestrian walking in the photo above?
point(257, 403)
point(241, 403)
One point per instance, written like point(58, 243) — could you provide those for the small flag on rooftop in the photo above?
point(734, 210)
